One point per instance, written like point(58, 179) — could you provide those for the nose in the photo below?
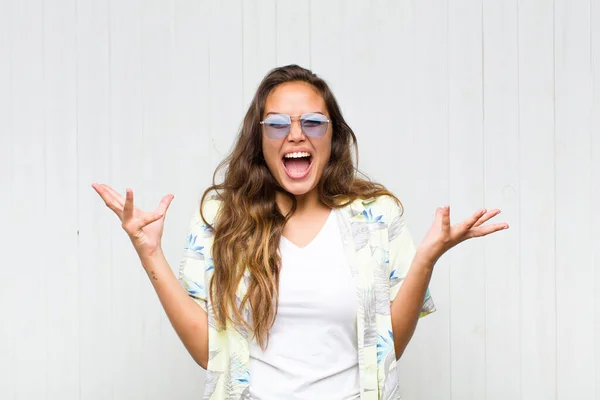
point(296, 134)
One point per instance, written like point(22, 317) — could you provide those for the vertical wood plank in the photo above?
point(95, 226)
point(188, 163)
point(396, 109)
point(28, 130)
point(595, 146)
point(226, 109)
point(60, 96)
point(190, 114)
point(501, 158)
point(425, 370)
point(574, 268)
point(129, 373)
point(293, 32)
point(259, 44)
point(356, 90)
point(537, 201)
point(325, 38)
point(8, 286)
point(466, 166)
point(157, 150)
point(367, 79)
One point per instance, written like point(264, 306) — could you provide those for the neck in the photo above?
point(306, 203)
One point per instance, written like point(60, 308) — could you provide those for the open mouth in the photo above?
point(297, 164)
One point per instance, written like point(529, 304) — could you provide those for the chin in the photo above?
point(298, 187)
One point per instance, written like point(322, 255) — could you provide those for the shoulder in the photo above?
point(210, 208)
point(388, 203)
point(384, 205)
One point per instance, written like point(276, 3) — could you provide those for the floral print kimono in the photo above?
point(379, 249)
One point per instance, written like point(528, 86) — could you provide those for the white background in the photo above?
point(475, 103)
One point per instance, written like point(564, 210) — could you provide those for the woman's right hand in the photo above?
point(145, 229)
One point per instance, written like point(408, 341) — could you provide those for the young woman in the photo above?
point(299, 280)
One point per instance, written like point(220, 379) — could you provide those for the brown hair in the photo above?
point(249, 225)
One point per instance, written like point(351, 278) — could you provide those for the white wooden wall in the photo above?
point(474, 103)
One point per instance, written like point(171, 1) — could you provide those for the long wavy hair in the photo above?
point(249, 224)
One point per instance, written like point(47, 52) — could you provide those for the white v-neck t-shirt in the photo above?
point(312, 351)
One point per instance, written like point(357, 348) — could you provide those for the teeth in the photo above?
point(297, 154)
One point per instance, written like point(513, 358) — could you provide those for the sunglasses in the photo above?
point(278, 126)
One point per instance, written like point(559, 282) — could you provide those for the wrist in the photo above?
point(426, 259)
point(150, 257)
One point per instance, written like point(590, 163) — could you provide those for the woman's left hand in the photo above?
point(442, 236)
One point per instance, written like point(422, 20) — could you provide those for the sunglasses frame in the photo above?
point(298, 117)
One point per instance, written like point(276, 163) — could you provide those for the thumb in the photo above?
point(149, 218)
point(164, 204)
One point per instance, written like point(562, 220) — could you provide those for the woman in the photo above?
point(301, 280)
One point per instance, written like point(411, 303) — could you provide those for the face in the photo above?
point(297, 160)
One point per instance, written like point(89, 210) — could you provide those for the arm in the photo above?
point(185, 309)
point(410, 273)
point(412, 300)
point(188, 319)
point(406, 306)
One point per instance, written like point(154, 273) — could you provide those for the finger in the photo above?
point(486, 217)
point(486, 230)
point(128, 207)
point(437, 221)
point(445, 217)
point(120, 199)
point(472, 220)
point(109, 199)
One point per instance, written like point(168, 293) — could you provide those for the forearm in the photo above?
point(189, 320)
point(406, 307)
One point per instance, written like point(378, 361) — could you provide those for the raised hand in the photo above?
point(145, 229)
point(442, 236)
